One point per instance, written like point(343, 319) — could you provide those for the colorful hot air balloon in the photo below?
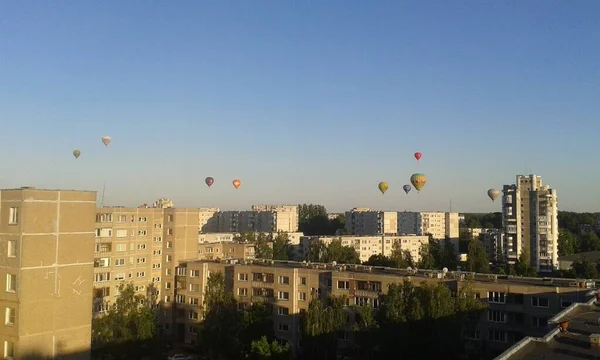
point(418, 156)
point(383, 187)
point(493, 194)
point(209, 181)
point(407, 188)
point(236, 183)
point(418, 180)
point(76, 153)
point(106, 140)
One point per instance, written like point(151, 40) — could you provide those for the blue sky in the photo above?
point(304, 101)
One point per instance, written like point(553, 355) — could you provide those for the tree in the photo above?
point(585, 269)
point(262, 250)
point(380, 260)
point(314, 220)
point(567, 242)
point(320, 325)
point(477, 260)
point(281, 246)
point(589, 241)
point(130, 319)
point(401, 258)
point(428, 254)
point(366, 330)
point(523, 266)
point(334, 251)
point(448, 255)
point(264, 350)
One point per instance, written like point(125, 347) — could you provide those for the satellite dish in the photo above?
point(333, 263)
point(304, 262)
point(445, 270)
point(409, 268)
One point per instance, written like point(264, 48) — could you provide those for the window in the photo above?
point(158, 226)
point(157, 252)
point(496, 316)
point(343, 285)
point(194, 301)
point(169, 231)
point(9, 349)
point(283, 327)
point(497, 335)
point(141, 247)
point(156, 279)
point(11, 282)
point(142, 233)
point(141, 274)
point(119, 276)
point(540, 302)
point(285, 280)
point(156, 266)
point(194, 287)
point(141, 260)
point(158, 239)
point(283, 295)
point(180, 299)
point(242, 292)
point(181, 271)
point(104, 218)
point(122, 218)
point(540, 322)
point(169, 245)
point(302, 280)
point(194, 273)
point(120, 262)
point(167, 285)
point(9, 316)
point(12, 249)
point(496, 297)
point(142, 219)
point(168, 258)
point(193, 315)
point(283, 310)
point(192, 329)
point(242, 277)
point(302, 296)
point(121, 247)
point(121, 233)
point(167, 299)
point(140, 287)
point(170, 218)
point(103, 232)
point(565, 303)
point(101, 277)
point(13, 216)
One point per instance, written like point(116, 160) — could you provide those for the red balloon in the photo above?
point(418, 155)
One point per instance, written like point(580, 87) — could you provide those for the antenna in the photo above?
point(103, 190)
point(450, 204)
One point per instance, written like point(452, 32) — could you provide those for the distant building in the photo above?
point(530, 219)
point(439, 225)
point(262, 218)
point(364, 221)
point(565, 262)
point(493, 241)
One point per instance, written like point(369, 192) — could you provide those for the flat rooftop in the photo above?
point(574, 343)
point(462, 275)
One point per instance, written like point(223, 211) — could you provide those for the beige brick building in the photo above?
point(46, 271)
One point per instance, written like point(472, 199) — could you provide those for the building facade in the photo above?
point(47, 239)
point(364, 222)
point(439, 225)
point(530, 221)
point(262, 218)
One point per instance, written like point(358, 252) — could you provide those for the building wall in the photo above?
point(364, 222)
point(439, 224)
point(48, 254)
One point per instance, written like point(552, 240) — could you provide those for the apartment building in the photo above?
point(493, 242)
point(530, 221)
point(208, 220)
point(364, 221)
point(284, 217)
point(216, 237)
point(439, 225)
point(518, 307)
point(47, 241)
point(367, 246)
point(226, 250)
point(262, 218)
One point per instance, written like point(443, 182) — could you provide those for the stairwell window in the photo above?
point(540, 302)
point(9, 316)
point(13, 216)
point(11, 282)
point(12, 249)
point(9, 349)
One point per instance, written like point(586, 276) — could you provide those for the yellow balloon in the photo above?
point(418, 180)
point(383, 187)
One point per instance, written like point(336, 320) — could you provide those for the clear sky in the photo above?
point(304, 101)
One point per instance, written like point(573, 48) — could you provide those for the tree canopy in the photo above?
point(334, 251)
point(314, 220)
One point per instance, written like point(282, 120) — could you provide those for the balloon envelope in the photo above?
point(383, 187)
point(209, 181)
point(76, 153)
point(236, 183)
point(418, 155)
point(418, 180)
point(407, 188)
point(493, 194)
point(106, 140)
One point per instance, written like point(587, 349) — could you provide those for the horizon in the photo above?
point(304, 103)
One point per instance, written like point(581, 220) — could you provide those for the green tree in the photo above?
point(567, 242)
point(589, 241)
point(262, 250)
point(429, 253)
point(254, 321)
point(334, 251)
point(320, 325)
point(585, 269)
point(401, 258)
point(366, 333)
point(448, 256)
point(523, 265)
point(129, 320)
point(281, 246)
point(477, 260)
point(264, 350)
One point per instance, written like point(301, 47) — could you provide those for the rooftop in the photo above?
point(576, 342)
point(36, 189)
point(588, 255)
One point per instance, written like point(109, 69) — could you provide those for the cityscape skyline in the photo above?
point(303, 103)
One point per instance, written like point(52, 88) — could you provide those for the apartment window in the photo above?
point(194, 301)
point(194, 273)
point(169, 244)
point(242, 277)
point(121, 247)
point(167, 272)
point(167, 299)
point(158, 239)
point(169, 231)
point(121, 233)
point(170, 218)
point(497, 335)
point(156, 266)
point(158, 226)
point(156, 279)
point(192, 329)
point(565, 303)
point(11, 282)
point(12, 249)
point(242, 292)
point(496, 316)
point(181, 271)
point(140, 288)
point(119, 276)
point(13, 216)
point(104, 218)
point(342, 284)
point(9, 349)
point(168, 258)
point(302, 280)
point(283, 310)
point(193, 315)
point(141, 274)
point(283, 327)
point(141, 260)
point(302, 296)
point(540, 322)
point(167, 285)
point(157, 252)
point(194, 287)
point(101, 277)
point(540, 302)
point(119, 262)
point(122, 218)
point(285, 280)
point(142, 219)
point(180, 299)
point(496, 297)
point(103, 232)
point(283, 295)
point(473, 334)
point(9, 316)
point(141, 247)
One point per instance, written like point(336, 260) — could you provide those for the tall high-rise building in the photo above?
point(364, 221)
point(47, 257)
point(530, 222)
point(439, 225)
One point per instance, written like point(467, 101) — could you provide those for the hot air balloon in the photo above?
point(418, 156)
point(383, 187)
point(236, 183)
point(418, 180)
point(106, 140)
point(493, 194)
point(76, 153)
point(209, 181)
point(407, 188)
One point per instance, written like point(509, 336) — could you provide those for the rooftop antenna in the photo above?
point(450, 204)
point(103, 190)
